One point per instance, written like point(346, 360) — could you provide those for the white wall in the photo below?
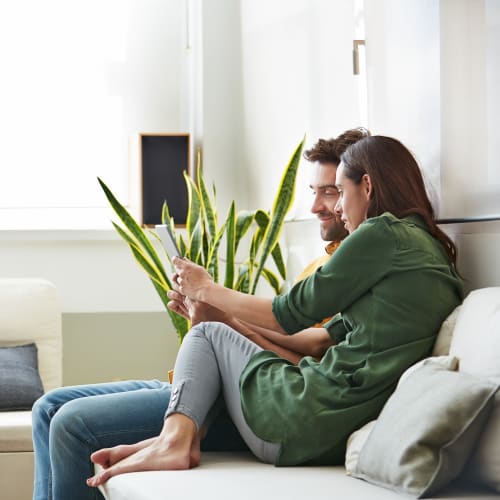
point(297, 78)
point(403, 61)
point(470, 78)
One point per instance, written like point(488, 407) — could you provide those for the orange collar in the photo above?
point(332, 246)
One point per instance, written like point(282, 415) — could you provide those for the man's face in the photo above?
point(325, 198)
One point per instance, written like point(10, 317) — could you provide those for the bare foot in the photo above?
point(171, 450)
point(195, 452)
point(153, 457)
point(106, 457)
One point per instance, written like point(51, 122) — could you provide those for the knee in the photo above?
point(201, 329)
point(67, 422)
point(46, 406)
point(215, 331)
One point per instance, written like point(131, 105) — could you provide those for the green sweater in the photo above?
point(393, 284)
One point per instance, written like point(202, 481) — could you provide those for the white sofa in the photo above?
point(30, 312)
point(236, 475)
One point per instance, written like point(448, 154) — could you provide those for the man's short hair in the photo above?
point(330, 150)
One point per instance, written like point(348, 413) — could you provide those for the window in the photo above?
point(79, 79)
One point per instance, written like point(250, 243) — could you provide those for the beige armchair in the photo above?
point(30, 312)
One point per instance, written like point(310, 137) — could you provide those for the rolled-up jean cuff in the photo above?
point(184, 410)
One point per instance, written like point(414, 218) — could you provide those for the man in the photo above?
point(325, 155)
point(139, 406)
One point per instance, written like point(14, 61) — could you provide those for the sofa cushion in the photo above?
point(230, 476)
point(31, 313)
point(476, 342)
point(20, 384)
point(426, 430)
point(15, 431)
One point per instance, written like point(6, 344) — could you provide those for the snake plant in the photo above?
point(201, 240)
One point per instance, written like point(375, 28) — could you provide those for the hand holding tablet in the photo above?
point(168, 241)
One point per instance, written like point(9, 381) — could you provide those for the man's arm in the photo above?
point(309, 342)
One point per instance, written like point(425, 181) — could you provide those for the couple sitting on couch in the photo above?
point(294, 399)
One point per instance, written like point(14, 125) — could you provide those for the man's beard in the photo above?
point(335, 232)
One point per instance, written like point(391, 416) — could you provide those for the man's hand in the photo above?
point(194, 310)
point(190, 279)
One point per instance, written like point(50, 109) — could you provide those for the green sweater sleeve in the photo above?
point(363, 259)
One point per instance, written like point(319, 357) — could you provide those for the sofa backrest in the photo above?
point(30, 312)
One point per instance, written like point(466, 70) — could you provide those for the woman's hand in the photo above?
point(195, 310)
point(190, 279)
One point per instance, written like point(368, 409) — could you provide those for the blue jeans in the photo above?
point(70, 423)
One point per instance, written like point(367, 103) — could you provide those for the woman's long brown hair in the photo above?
point(398, 185)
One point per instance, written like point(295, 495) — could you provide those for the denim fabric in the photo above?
point(72, 422)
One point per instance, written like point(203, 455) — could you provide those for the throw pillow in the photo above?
point(20, 383)
point(358, 438)
point(476, 341)
point(445, 334)
point(484, 465)
point(426, 431)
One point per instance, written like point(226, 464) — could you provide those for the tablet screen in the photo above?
point(168, 241)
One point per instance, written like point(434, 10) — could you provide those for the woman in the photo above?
point(394, 281)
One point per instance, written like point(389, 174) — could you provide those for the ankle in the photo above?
point(178, 431)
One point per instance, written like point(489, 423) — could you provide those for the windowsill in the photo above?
point(466, 225)
point(58, 235)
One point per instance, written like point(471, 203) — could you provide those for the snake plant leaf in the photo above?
point(213, 256)
point(194, 253)
point(244, 220)
point(243, 279)
point(230, 246)
point(207, 208)
point(272, 279)
point(278, 260)
point(194, 205)
point(181, 244)
point(166, 218)
point(151, 269)
point(282, 203)
point(134, 229)
point(180, 323)
point(262, 218)
point(205, 244)
point(151, 272)
point(256, 242)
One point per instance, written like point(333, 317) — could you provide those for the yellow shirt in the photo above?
point(314, 265)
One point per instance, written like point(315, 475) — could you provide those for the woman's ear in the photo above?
point(367, 186)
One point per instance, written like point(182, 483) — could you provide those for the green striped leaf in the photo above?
point(244, 220)
point(207, 208)
point(243, 281)
point(272, 279)
point(166, 218)
point(195, 243)
point(150, 270)
point(134, 229)
point(230, 246)
point(278, 260)
point(194, 205)
point(213, 256)
point(282, 203)
point(181, 244)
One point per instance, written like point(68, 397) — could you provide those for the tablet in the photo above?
point(168, 241)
